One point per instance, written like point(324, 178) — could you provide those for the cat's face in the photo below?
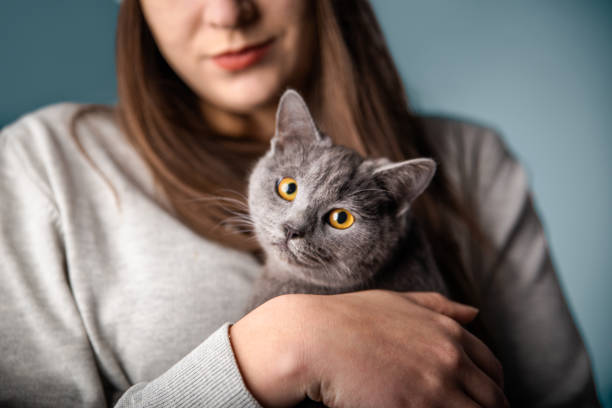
point(323, 211)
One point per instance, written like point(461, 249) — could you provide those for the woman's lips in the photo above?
point(237, 60)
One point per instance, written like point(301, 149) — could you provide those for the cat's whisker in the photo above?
point(238, 227)
point(238, 224)
point(238, 231)
point(239, 194)
point(317, 259)
point(312, 259)
point(219, 200)
point(344, 269)
point(324, 265)
point(239, 216)
point(329, 272)
point(322, 255)
point(237, 221)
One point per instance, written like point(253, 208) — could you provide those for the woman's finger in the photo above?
point(441, 304)
point(481, 388)
point(482, 356)
point(458, 400)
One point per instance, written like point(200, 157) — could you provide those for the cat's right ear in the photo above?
point(294, 123)
point(406, 180)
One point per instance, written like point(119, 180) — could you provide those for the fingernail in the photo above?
point(473, 309)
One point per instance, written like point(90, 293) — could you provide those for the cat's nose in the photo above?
point(292, 231)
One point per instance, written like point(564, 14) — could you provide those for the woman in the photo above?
point(117, 277)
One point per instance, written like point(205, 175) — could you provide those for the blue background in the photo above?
point(538, 71)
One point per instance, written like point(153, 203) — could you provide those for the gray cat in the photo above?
point(330, 221)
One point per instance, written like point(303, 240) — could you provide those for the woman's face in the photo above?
point(237, 55)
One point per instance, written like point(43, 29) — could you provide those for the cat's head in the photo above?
point(324, 212)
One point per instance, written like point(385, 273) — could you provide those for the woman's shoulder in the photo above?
point(56, 145)
point(476, 157)
point(464, 140)
point(485, 173)
point(59, 128)
point(57, 122)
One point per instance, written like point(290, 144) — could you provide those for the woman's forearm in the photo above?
point(269, 347)
point(365, 349)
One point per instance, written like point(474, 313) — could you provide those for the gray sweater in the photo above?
point(106, 298)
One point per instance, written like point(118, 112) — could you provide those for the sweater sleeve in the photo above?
point(47, 358)
point(207, 377)
point(523, 308)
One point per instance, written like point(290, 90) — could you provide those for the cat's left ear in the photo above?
point(406, 180)
point(294, 123)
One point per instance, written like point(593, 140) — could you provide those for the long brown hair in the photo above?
point(357, 96)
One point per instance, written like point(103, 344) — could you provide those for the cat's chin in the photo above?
point(287, 265)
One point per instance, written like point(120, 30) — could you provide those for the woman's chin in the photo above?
point(245, 93)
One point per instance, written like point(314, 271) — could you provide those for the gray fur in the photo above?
point(382, 249)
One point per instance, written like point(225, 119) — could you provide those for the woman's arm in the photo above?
point(523, 307)
point(206, 377)
point(47, 356)
point(366, 349)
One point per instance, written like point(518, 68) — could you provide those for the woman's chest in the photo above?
point(149, 290)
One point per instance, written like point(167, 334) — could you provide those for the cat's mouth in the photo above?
point(289, 255)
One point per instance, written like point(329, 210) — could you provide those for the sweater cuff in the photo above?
point(206, 377)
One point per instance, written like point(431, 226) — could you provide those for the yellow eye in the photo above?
point(287, 188)
point(341, 218)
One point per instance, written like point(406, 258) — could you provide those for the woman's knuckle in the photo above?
point(438, 297)
point(450, 326)
point(443, 320)
point(450, 355)
point(447, 355)
point(433, 383)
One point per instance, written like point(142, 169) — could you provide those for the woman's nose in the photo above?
point(229, 13)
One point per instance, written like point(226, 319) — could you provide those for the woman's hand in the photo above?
point(366, 349)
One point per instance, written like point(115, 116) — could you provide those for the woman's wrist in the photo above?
point(270, 346)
